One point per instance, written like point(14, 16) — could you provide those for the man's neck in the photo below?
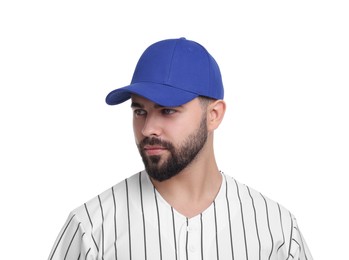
point(194, 189)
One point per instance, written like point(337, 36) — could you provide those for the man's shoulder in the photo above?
point(106, 200)
point(247, 195)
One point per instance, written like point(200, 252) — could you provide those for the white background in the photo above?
point(285, 69)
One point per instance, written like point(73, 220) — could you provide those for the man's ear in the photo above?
point(215, 114)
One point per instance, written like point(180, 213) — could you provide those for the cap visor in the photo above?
point(160, 94)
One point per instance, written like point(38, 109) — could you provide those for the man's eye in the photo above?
point(139, 112)
point(168, 111)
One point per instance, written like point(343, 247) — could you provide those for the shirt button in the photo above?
point(191, 229)
point(192, 248)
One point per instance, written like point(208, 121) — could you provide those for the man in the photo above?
point(181, 206)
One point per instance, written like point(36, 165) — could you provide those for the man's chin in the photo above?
point(156, 176)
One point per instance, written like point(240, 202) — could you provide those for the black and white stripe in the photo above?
point(132, 221)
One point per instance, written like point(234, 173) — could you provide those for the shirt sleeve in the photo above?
point(298, 248)
point(71, 242)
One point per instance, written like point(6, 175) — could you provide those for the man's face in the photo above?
point(168, 138)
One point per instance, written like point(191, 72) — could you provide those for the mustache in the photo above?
point(155, 141)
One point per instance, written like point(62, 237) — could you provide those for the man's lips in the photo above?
point(154, 149)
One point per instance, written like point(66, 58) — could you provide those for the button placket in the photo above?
point(194, 237)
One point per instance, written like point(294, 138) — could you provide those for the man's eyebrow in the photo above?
point(160, 106)
point(137, 105)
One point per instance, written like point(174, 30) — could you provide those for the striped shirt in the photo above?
point(132, 221)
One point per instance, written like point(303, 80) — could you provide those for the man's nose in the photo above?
point(152, 126)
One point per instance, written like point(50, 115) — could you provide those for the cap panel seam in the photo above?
point(171, 62)
point(209, 90)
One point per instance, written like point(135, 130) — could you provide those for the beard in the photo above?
point(178, 159)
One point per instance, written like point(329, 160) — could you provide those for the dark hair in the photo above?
point(205, 101)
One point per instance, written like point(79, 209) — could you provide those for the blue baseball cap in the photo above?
point(172, 72)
